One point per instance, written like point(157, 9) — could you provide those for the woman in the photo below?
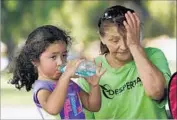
point(134, 85)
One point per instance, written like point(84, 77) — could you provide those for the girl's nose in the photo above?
point(59, 61)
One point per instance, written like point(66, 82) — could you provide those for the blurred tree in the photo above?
point(162, 19)
point(19, 17)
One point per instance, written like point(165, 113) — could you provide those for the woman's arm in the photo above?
point(151, 77)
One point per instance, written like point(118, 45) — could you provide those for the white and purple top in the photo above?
point(72, 108)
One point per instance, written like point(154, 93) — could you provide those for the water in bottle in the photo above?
point(85, 69)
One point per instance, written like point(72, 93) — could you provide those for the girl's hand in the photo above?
point(132, 25)
point(94, 80)
point(71, 67)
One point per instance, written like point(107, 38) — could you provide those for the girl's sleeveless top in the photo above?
point(72, 108)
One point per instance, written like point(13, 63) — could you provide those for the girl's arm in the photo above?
point(91, 101)
point(53, 102)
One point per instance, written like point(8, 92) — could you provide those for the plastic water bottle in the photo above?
point(85, 69)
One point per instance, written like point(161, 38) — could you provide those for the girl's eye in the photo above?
point(54, 57)
point(65, 56)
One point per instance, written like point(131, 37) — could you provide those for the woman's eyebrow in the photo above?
point(112, 37)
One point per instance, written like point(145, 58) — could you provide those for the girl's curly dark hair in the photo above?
point(24, 72)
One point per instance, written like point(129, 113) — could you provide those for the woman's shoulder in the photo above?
point(151, 50)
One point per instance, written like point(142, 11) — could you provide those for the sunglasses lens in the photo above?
point(110, 14)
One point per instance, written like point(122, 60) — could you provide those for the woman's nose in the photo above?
point(123, 46)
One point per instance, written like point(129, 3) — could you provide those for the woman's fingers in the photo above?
point(129, 20)
point(132, 26)
point(137, 19)
point(126, 26)
point(137, 22)
point(132, 20)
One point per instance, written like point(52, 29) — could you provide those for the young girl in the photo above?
point(37, 64)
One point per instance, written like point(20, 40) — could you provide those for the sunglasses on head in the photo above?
point(114, 12)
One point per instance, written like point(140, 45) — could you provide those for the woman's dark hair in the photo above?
point(113, 15)
point(24, 72)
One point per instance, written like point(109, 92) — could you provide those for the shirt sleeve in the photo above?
point(38, 86)
point(157, 57)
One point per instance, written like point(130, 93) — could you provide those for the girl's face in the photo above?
point(116, 44)
point(52, 58)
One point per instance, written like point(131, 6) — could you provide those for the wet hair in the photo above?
point(24, 72)
point(114, 15)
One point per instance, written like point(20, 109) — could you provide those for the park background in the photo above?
point(79, 18)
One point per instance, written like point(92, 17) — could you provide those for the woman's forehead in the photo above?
point(113, 31)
